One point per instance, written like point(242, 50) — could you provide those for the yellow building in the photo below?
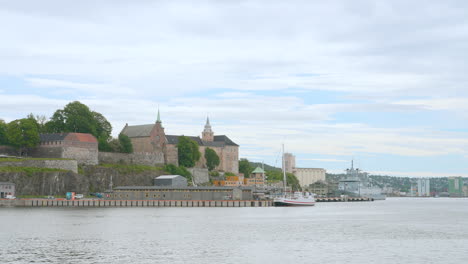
point(257, 178)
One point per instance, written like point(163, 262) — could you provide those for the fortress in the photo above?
point(151, 138)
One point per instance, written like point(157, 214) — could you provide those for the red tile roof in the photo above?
point(81, 137)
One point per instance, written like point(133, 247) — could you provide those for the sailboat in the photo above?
point(297, 199)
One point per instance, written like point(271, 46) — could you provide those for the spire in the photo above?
point(159, 117)
point(207, 134)
point(207, 125)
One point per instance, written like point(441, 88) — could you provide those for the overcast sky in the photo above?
point(383, 82)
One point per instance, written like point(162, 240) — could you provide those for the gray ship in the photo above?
point(356, 183)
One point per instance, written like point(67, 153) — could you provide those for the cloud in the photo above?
point(325, 160)
point(68, 86)
point(260, 78)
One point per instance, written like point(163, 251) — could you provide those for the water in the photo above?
point(397, 230)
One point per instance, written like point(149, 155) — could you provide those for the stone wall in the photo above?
point(93, 179)
point(85, 156)
point(70, 165)
point(46, 183)
point(172, 154)
point(199, 175)
point(142, 144)
point(150, 159)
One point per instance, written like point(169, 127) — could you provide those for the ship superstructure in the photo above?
point(357, 183)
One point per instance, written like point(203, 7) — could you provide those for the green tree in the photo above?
point(113, 145)
point(40, 121)
point(3, 133)
point(103, 127)
point(212, 159)
point(188, 152)
point(245, 167)
point(125, 144)
point(291, 180)
point(22, 134)
point(181, 170)
point(77, 117)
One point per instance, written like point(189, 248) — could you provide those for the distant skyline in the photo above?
point(383, 82)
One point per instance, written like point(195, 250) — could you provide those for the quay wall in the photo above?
point(132, 203)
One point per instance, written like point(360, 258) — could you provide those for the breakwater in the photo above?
point(132, 203)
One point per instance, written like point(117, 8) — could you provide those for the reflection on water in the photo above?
point(397, 230)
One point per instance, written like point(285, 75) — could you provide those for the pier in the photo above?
point(132, 203)
point(343, 199)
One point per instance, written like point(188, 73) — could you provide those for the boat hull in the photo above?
point(288, 202)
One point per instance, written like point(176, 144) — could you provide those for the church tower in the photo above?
point(207, 134)
point(157, 135)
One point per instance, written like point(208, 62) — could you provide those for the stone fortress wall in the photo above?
point(70, 165)
point(150, 159)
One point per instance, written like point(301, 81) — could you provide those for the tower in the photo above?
point(207, 134)
point(158, 136)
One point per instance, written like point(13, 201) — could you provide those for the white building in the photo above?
point(307, 176)
point(424, 187)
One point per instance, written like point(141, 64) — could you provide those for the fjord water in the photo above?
point(398, 230)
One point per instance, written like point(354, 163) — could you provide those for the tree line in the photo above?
point(74, 117)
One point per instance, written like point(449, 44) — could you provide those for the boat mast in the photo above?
point(284, 171)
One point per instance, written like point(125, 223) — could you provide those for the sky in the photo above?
point(382, 82)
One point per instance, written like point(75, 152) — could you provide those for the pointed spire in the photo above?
point(207, 125)
point(159, 117)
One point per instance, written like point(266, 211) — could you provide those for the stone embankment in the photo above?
point(131, 203)
point(90, 179)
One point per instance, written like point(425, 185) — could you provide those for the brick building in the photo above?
point(151, 138)
point(81, 147)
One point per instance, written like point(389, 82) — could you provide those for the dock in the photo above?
point(343, 199)
point(132, 203)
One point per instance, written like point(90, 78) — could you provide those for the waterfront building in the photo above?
point(257, 178)
point(170, 180)
point(6, 188)
point(82, 147)
point(455, 186)
point(320, 188)
point(179, 193)
point(237, 180)
point(151, 138)
point(308, 176)
point(423, 187)
point(289, 162)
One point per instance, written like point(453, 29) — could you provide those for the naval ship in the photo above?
point(356, 183)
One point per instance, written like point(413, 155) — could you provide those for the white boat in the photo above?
point(297, 199)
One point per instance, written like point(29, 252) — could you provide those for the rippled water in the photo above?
point(397, 230)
